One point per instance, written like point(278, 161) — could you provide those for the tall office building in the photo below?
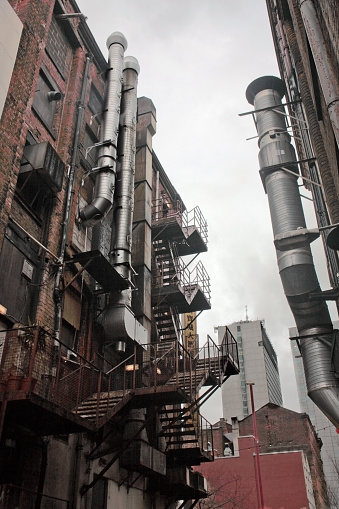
point(258, 363)
point(323, 427)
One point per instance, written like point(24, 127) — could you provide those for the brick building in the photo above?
point(290, 462)
point(98, 387)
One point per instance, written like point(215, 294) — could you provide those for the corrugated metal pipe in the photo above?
point(121, 242)
point(118, 320)
point(106, 165)
point(279, 173)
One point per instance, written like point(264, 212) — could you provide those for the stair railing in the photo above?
point(163, 209)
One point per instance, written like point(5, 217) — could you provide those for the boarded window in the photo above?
point(44, 105)
point(58, 47)
point(19, 276)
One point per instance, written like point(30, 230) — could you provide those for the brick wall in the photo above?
point(233, 481)
point(281, 430)
point(45, 44)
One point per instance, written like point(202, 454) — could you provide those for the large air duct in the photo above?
point(118, 320)
point(106, 165)
point(279, 173)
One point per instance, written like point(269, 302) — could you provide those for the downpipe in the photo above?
point(69, 199)
point(279, 172)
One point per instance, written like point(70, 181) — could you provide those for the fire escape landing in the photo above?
point(45, 392)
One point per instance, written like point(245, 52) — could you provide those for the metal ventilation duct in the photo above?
point(106, 165)
point(279, 173)
point(118, 320)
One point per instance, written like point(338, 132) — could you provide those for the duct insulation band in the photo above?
point(294, 254)
point(106, 164)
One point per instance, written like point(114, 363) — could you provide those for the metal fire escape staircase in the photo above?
point(42, 389)
point(176, 287)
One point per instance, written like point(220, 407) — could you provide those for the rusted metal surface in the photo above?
point(35, 371)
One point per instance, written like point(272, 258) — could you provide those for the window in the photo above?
point(58, 47)
point(18, 285)
point(99, 497)
point(70, 323)
point(46, 99)
point(95, 103)
point(89, 151)
point(31, 188)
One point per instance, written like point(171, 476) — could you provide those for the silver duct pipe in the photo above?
point(279, 173)
point(106, 165)
point(327, 77)
point(121, 242)
point(118, 320)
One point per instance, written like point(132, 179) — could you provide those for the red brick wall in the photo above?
point(19, 118)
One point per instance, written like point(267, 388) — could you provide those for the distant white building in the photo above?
point(323, 427)
point(258, 363)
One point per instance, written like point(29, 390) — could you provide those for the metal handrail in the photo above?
point(68, 384)
point(164, 209)
point(185, 278)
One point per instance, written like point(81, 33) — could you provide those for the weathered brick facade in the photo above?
point(76, 347)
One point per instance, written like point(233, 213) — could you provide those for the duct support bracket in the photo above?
point(295, 239)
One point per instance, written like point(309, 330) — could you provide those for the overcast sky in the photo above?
point(197, 59)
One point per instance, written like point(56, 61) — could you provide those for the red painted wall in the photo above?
point(233, 480)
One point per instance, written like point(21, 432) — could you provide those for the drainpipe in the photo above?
point(106, 165)
point(118, 319)
point(327, 77)
point(69, 197)
point(279, 173)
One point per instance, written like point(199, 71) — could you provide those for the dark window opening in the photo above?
point(33, 191)
point(99, 497)
point(88, 150)
point(315, 82)
point(96, 103)
point(31, 188)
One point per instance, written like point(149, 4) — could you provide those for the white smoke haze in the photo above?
point(196, 61)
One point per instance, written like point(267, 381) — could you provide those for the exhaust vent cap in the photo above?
point(264, 83)
point(117, 38)
point(131, 63)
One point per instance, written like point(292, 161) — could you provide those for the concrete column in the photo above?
point(142, 221)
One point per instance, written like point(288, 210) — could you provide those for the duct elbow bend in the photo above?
point(95, 211)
